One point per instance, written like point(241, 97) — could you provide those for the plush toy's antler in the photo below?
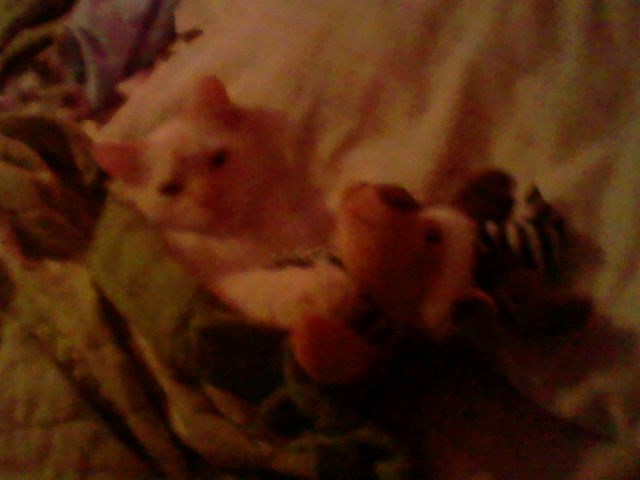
point(521, 260)
point(487, 195)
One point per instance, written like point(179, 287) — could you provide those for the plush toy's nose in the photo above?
point(397, 198)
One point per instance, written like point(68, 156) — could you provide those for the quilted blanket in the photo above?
point(115, 363)
point(86, 399)
point(71, 403)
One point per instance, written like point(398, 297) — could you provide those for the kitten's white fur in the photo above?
point(225, 221)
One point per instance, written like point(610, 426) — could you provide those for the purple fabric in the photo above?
point(111, 39)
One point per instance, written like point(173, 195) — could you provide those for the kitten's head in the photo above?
point(204, 170)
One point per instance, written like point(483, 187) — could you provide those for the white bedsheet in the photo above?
point(418, 91)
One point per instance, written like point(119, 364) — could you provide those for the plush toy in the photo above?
point(413, 262)
point(441, 270)
point(411, 265)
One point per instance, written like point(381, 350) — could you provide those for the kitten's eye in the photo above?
point(218, 159)
point(170, 189)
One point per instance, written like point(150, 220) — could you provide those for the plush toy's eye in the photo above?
point(218, 159)
point(170, 189)
point(433, 235)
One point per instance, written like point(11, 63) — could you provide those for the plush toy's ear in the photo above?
point(211, 101)
point(121, 160)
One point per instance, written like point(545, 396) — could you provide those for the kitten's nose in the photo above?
point(170, 189)
point(397, 198)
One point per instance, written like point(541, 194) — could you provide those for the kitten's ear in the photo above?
point(121, 160)
point(211, 101)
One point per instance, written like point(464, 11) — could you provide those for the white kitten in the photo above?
point(215, 181)
point(208, 169)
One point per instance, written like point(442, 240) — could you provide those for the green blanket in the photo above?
point(26, 28)
point(50, 197)
point(83, 271)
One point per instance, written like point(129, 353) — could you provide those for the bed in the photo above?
point(415, 93)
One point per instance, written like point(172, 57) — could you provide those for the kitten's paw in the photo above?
point(278, 297)
point(326, 290)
